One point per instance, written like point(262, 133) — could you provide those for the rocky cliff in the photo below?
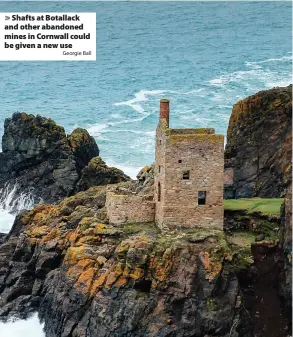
point(38, 157)
point(286, 245)
point(258, 151)
point(97, 173)
point(88, 278)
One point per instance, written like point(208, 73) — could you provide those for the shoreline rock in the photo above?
point(40, 159)
point(259, 145)
point(88, 278)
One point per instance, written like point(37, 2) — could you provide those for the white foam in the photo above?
point(116, 116)
point(97, 130)
point(257, 77)
point(236, 76)
point(280, 59)
point(265, 78)
point(19, 328)
point(140, 97)
point(11, 204)
point(279, 83)
point(6, 220)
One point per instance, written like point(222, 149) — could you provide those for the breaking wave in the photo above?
point(139, 97)
point(280, 59)
point(19, 328)
point(11, 203)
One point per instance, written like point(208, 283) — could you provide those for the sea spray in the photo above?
point(12, 202)
point(17, 328)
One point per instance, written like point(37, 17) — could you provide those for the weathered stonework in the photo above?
point(188, 182)
point(189, 162)
point(126, 207)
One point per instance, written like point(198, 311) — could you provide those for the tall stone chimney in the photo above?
point(164, 110)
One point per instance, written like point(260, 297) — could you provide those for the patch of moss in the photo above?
point(268, 228)
point(240, 245)
point(221, 251)
point(202, 234)
point(211, 305)
point(145, 228)
point(211, 138)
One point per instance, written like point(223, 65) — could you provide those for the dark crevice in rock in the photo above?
point(143, 286)
point(259, 285)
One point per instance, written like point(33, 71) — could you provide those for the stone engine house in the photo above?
point(188, 181)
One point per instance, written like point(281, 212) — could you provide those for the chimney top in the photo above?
point(164, 110)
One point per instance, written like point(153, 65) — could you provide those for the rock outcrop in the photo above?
point(40, 159)
point(97, 173)
point(88, 278)
point(258, 261)
point(259, 139)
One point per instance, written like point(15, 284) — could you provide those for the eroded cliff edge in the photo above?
point(39, 158)
point(258, 153)
point(89, 278)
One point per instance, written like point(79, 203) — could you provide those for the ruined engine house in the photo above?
point(188, 181)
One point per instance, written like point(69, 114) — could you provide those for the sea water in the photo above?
point(203, 56)
point(30, 327)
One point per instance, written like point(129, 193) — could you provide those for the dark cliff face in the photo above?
point(43, 160)
point(259, 143)
point(88, 278)
point(286, 245)
point(97, 173)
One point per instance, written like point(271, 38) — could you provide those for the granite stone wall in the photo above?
point(129, 208)
point(189, 163)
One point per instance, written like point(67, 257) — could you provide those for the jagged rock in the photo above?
point(286, 245)
point(83, 147)
point(145, 181)
point(40, 158)
point(97, 173)
point(91, 279)
point(259, 141)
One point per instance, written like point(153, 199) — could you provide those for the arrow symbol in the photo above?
point(7, 18)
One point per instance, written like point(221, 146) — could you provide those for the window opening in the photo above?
point(185, 175)
point(159, 191)
point(201, 197)
point(180, 161)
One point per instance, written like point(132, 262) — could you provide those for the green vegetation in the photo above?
point(149, 228)
point(264, 206)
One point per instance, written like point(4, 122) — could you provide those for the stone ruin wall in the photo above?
point(159, 162)
point(129, 208)
point(202, 155)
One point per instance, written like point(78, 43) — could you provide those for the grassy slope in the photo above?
point(265, 206)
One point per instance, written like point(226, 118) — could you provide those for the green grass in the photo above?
point(265, 206)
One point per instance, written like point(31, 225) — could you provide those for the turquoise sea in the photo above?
point(203, 56)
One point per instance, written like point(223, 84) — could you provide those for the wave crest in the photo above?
point(13, 201)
